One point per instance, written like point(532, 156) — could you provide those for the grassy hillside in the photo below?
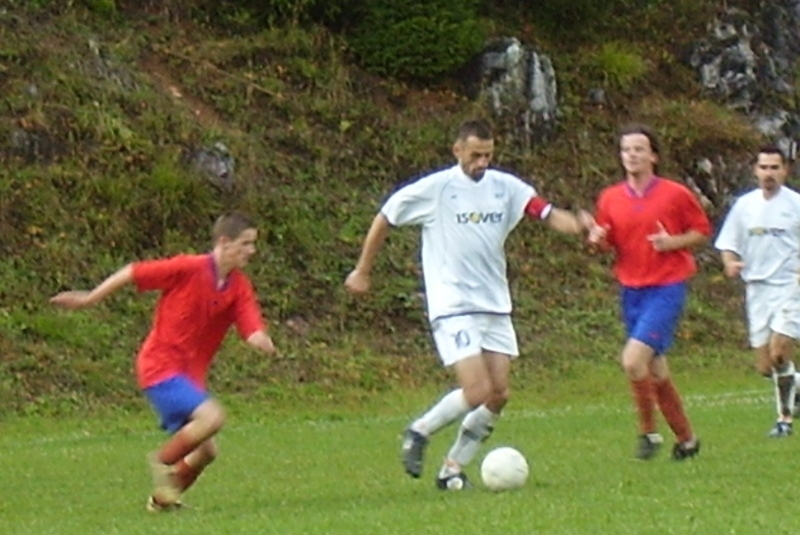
point(100, 118)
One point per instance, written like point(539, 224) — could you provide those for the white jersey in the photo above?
point(464, 228)
point(765, 233)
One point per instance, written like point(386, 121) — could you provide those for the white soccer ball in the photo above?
point(504, 469)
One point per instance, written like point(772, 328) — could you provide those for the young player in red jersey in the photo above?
point(651, 223)
point(201, 297)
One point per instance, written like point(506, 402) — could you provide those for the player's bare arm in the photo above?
point(732, 263)
point(358, 281)
point(569, 223)
point(81, 298)
point(261, 341)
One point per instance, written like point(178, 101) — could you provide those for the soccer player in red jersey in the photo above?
point(651, 224)
point(201, 297)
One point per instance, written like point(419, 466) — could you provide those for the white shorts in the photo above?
point(459, 337)
point(772, 308)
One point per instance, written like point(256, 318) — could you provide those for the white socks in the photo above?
point(785, 381)
point(475, 428)
point(447, 410)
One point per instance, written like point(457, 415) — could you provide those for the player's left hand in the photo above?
point(661, 240)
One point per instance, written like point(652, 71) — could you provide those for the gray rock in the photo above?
point(519, 83)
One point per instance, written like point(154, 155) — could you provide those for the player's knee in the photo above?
point(777, 360)
point(212, 415)
point(477, 393)
point(217, 420)
point(634, 370)
point(500, 396)
point(764, 369)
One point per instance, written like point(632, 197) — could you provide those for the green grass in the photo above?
point(330, 469)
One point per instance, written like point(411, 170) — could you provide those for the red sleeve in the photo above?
point(538, 208)
point(159, 274)
point(695, 217)
point(248, 314)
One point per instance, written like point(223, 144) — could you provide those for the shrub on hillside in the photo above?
point(417, 39)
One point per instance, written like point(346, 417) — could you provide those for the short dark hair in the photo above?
point(771, 149)
point(639, 128)
point(479, 128)
point(230, 225)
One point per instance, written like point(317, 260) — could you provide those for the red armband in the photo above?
point(538, 208)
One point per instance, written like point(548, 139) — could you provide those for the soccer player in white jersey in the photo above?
point(466, 213)
point(760, 242)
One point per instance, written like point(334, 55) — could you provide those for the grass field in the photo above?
point(329, 470)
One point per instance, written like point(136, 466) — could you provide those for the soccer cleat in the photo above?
point(155, 506)
point(165, 491)
point(781, 429)
point(413, 450)
point(685, 450)
point(457, 481)
point(648, 446)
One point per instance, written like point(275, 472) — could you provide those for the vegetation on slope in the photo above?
point(102, 115)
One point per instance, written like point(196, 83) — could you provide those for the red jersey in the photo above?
point(192, 316)
point(631, 217)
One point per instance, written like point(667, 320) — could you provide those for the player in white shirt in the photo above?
point(760, 242)
point(466, 213)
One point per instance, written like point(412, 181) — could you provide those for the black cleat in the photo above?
point(781, 430)
point(685, 450)
point(413, 451)
point(457, 481)
point(648, 446)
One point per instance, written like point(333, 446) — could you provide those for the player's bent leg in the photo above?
point(475, 429)
point(188, 469)
point(415, 437)
point(472, 376)
point(478, 425)
point(205, 421)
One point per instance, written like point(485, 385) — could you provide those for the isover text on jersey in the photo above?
point(479, 217)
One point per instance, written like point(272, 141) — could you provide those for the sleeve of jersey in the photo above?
point(248, 314)
point(727, 237)
point(696, 217)
point(412, 204)
point(538, 208)
point(157, 274)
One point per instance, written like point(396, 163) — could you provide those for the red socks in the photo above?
point(644, 399)
point(669, 401)
point(175, 449)
point(185, 474)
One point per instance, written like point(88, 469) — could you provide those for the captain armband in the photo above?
point(538, 208)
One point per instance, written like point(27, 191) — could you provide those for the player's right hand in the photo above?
point(734, 268)
point(357, 282)
point(72, 299)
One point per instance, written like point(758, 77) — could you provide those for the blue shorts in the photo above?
point(175, 399)
point(651, 313)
